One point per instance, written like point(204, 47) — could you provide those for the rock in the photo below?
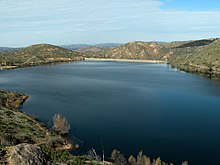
point(77, 147)
point(25, 154)
point(12, 100)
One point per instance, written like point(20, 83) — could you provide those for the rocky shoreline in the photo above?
point(21, 135)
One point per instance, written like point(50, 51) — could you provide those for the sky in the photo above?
point(62, 22)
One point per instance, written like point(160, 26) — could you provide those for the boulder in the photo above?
point(25, 154)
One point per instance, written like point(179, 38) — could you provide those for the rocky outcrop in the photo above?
point(25, 154)
point(12, 100)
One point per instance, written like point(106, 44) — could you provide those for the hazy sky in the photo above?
point(26, 22)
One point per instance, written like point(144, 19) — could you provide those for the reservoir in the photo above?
point(129, 106)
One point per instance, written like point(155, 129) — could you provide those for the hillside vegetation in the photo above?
point(18, 128)
point(133, 50)
point(204, 60)
point(36, 55)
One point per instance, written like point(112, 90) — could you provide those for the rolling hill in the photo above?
point(133, 50)
point(203, 59)
point(37, 54)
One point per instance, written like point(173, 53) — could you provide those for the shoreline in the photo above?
point(7, 67)
point(124, 60)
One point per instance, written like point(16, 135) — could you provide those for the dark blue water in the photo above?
point(128, 106)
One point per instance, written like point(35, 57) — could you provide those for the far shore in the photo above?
point(88, 59)
point(7, 67)
point(123, 60)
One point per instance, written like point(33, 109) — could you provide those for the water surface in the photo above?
point(128, 106)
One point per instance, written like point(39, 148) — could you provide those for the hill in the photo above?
point(91, 49)
point(202, 57)
point(75, 46)
point(36, 55)
point(197, 43)
point(134, 50)
point(107, 45)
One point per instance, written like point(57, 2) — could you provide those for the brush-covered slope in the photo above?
point(134, 50)
point(203, 59)
point(17, 127)
point(20, 129)
point(38, 54)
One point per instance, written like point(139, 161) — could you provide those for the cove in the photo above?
point(130, 106)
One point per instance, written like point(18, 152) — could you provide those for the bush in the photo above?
point(56, 141)
point(118, 158)
point(60, 124)
point(76, 161)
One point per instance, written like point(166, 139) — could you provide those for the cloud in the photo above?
point(74, 21)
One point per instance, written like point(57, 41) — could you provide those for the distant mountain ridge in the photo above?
point(75, 46)
point(86, 46)
point(8, 49)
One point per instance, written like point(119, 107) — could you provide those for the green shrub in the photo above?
point(76, 161)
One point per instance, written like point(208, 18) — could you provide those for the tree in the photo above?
point(146, 160)
point(132, 160)
point(118, 158)
point(115, 154)
point(157, 161)
point(60, 124)
point(140, 160)
point(210, 70)
point(185, 163)
point(143, 159)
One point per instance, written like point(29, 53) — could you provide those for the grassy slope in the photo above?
point(17, 127)
point(38, 54)
point(204, 60)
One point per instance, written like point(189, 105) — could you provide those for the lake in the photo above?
point(127, 105)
